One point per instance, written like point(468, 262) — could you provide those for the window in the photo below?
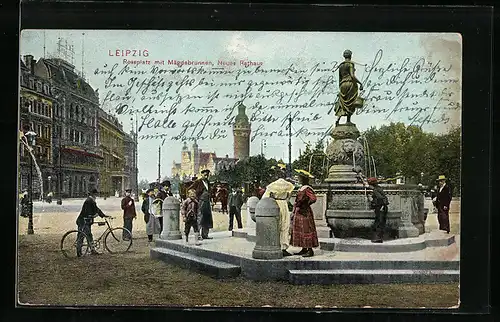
point(39, 130)
point(31, 84)
point(38, 86)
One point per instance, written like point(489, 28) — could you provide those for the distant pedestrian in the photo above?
point(379, 204)
point(129, 213)
point(148, 209)
point(443, 200)
point(189, 212)
point(304, 232)
point(235, 202)
point(85, 220)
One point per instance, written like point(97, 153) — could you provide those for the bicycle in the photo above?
point(110, 236)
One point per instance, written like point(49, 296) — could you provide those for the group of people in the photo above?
point(297, 226)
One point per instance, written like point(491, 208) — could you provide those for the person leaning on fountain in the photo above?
point(379, 204)
point(280, 190)
point(348, 99)
point(304, 229)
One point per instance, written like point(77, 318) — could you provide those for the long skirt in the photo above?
point(348, 99)
point(284, 223)
point(153, 225)
point(304, 231)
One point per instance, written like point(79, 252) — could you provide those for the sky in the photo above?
point(439, 54)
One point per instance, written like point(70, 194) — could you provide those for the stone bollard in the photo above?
point(251, 204)
point(267, 245)
point(171, 219)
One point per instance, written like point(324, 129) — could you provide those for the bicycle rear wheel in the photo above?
point(118, 240)
point(69, 244)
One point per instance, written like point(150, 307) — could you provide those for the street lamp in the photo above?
point(31, 138)
point(263, 144)
point(421, 177)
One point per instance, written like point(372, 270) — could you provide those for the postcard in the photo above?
point(239, 169)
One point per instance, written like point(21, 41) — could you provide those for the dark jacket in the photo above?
point(145, 209)
point(236, 200)
point(162, 194)
point(379, 198)
point(128, 211)
point(88, 212)
point(199, 187)
point(443, 197)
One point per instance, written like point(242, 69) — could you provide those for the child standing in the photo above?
point(189, 211)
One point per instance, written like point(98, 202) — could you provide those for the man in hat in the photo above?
point(443, 200)
point(202, 189)
point(164, 191)
point(379, 204)
point(85, 220)
point(304, 232)
point(148, 209)
point(129, 214)
point(235, 202)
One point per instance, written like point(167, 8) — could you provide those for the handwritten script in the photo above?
point(199, 102)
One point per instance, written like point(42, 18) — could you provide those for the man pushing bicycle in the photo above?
point(85, 220)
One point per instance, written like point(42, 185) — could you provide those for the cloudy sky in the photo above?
point(437, 56)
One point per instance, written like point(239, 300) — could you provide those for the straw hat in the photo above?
point(441, 177)
point(304, 173)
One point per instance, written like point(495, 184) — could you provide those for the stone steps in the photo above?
point(361, 276)
point(208, 266)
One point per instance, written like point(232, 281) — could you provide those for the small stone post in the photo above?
point(267, 245)
point(171, 215)
point(406, 228)
point(251, 204)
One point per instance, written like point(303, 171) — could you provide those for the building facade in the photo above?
point(75, 145)
point(36, 114)
point(131, 170)
point(194, 160)
point(241, 134)
point(113, 176)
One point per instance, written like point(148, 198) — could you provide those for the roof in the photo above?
point(241, 117)
point(204, 157)
point(23, 65)
point(62, 73)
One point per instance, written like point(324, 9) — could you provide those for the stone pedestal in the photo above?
point(345, 153)
point(171, 219)
point(251, 204)
point(406, 227)
point(267, 233)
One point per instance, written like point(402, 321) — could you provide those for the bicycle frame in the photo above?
point(109, 228)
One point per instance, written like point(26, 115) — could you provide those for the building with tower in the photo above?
point(241, 134)
point(194, 160)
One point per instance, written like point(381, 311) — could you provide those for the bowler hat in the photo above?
point(205, 171)
point(128, 190)
point(166, 183)
point(441, 177)
point(93, 191)
point(149, 190)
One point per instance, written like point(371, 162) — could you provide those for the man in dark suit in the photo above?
point(235, 203)
point(443, 200)
point(85, 220)
point(202, 189)
point(129, 214)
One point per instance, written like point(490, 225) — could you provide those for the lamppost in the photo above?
point(31, 138)
point(263, 144)
point(421, 177)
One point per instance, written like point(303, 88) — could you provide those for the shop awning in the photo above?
point(81, 152)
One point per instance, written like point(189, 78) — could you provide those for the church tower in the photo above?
point(241, 134)
point(196, 158)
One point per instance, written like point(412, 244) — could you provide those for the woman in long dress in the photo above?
point(304, 229)
point(280, 191)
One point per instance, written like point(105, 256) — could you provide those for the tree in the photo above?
point(313, 160)
point(250, 169)
point(143, 184)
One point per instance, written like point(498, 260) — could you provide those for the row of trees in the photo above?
point(396, 148)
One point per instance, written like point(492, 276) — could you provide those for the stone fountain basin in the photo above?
point(346, 222)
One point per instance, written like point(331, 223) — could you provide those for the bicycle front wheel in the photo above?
point(71, 248)
point(118, 240)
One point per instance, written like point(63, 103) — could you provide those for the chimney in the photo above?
point(30, 63)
